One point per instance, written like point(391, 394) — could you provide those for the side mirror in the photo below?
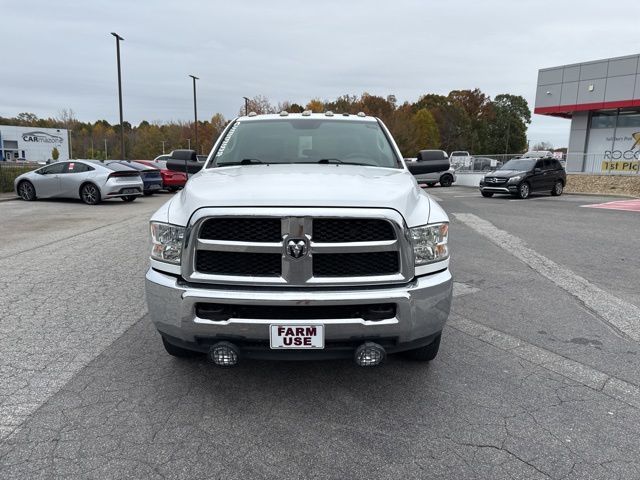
point(537, 170)
point(184, 166)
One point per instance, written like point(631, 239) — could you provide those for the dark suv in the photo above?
point(522, 176)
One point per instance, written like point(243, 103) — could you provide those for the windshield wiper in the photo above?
point(342, 162)
point(245, 161)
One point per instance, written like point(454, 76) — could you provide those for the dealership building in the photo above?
point(32, 143)
point(602, 100)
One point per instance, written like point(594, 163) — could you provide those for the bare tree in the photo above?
point(542, 146)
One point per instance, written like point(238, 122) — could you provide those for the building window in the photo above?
point(603, 119)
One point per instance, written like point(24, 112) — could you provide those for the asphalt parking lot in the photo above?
point(538, 374)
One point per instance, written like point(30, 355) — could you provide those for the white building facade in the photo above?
point(32, 143)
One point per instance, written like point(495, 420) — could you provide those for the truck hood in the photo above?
point(304, 186)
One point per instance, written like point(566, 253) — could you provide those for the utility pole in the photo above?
point(189, 143)
point(106, 157)
point(163, 147)
point(246, 106)
point(70, 145)
point(118, 38)
point(195, 109)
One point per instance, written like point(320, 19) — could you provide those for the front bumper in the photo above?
point(422, 308)
point(503, 188)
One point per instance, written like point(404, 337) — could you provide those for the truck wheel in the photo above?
point(557, 189)
point(446, 181)
point(487, 194)
point(177, 351)
point(426, 353)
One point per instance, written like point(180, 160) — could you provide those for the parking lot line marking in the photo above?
point(626, 205)
point(622, 315)
point(578, 372)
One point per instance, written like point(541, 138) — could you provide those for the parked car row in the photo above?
point(93, 181)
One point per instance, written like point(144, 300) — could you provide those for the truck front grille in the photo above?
point(336, 230)
point(239, 263)
point(312, 248)
point(355, 264)
point(242, 229)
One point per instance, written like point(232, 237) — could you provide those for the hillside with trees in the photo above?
point(461, 120)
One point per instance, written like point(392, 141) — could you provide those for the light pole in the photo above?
point(246, 106)
point(70, 145)
point(189, 143)
point(195, 109)
point(163, 146)
point(106, 157)
point(118, 38)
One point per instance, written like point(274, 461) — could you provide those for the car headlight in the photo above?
point(166, 242)
point(515, 179)
point(430, 243)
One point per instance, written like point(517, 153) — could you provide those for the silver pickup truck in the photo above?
point(303, 237)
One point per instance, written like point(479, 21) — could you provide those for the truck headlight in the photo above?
point(166, 242)
point(430, 243)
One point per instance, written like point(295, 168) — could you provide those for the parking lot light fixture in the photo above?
point(246, 106)
point(118, 38)
point(195, 109)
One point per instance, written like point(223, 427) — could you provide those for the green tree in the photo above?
point(55, 153)
point(508, 131)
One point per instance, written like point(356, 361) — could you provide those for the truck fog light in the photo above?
point(224, 354)
point(369, 354)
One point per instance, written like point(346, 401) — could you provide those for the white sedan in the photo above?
point(91, 181)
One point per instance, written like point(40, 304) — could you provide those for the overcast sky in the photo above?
point(59, 55)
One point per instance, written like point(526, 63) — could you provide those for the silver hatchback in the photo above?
point(89, 180)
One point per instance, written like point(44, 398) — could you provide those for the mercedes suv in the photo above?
point(522, 176)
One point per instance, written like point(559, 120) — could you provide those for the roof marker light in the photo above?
point(328, 113)
point(252, 114)
point(284, 113)
point(362, 114)
point(306, 113)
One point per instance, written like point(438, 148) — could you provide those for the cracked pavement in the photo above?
point(529, 383)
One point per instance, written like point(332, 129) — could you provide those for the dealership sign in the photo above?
point(620, 148)
point(41, 137)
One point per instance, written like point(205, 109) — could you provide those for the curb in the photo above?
point(589, 194)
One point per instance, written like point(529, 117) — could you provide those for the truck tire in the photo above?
point(174, 351)
point(426, 353)
point(446, 180)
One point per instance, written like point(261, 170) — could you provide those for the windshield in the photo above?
point(305, 141)
point(523, 164)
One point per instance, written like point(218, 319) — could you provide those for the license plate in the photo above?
point(129, 190)
point(154, 187)
point(297, 336)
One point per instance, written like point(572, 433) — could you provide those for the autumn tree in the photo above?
point(55, 153)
